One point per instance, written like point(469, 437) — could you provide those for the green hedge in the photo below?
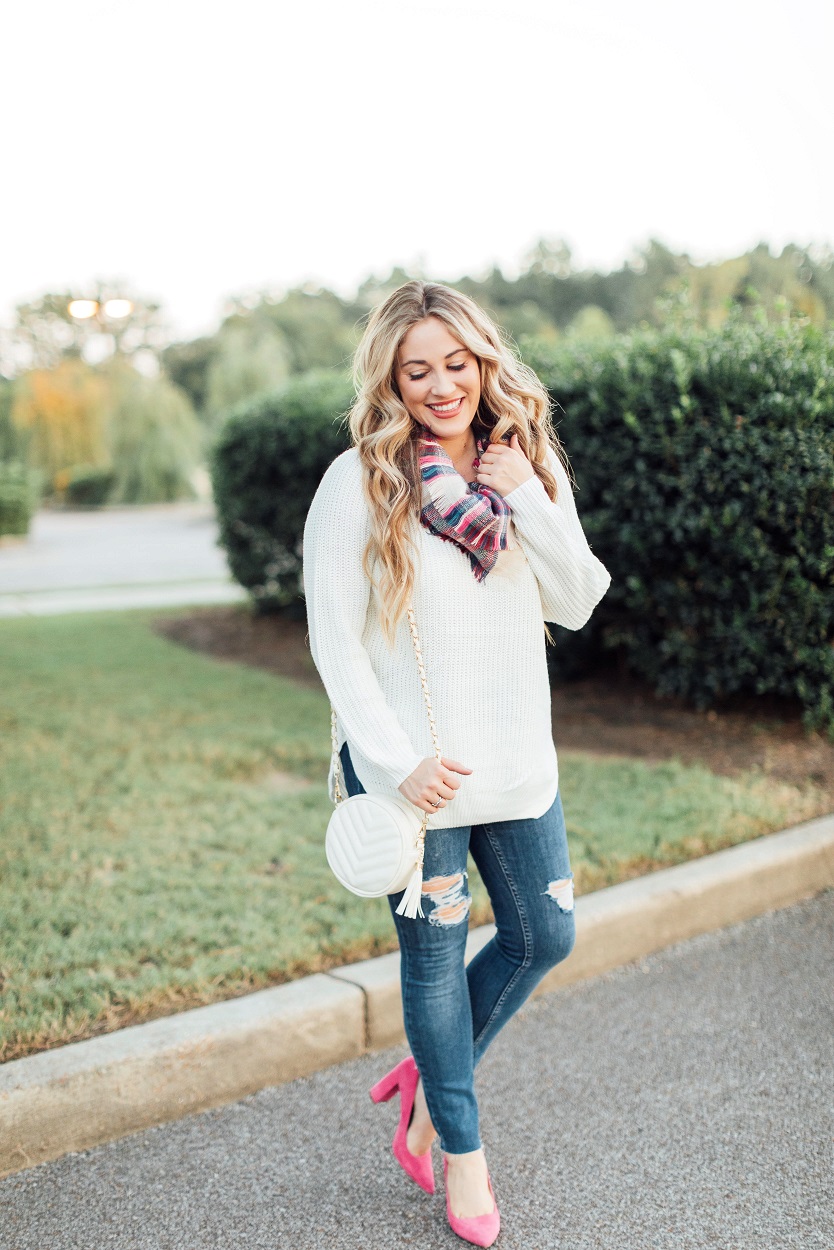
point(88, 485)
point(19, 491)
point(705, 462)
point(706, 467)
point(269, 458)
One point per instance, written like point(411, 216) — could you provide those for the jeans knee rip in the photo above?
point(562, 893)
point(450, 899)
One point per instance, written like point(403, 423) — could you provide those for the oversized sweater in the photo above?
point(483, 646)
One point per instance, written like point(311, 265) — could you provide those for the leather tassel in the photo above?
point(410, 901)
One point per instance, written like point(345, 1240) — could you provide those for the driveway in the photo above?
point(681, 1102)
point(116, 557)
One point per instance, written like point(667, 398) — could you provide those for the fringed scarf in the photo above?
point(467, 513)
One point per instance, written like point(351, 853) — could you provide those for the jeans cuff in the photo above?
point(460, 1147)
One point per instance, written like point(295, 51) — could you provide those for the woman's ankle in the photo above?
point(467, 1184)
point(470, 1158)
point(420, 1135)
point(421, 1132)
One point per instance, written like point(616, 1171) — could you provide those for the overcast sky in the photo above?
point(197, 149)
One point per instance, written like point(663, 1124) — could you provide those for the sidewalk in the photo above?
point(679, 1102)
point(157, 556)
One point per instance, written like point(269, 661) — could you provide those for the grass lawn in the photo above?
point(162, 829)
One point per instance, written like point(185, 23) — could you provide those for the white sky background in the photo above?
point(199, 149)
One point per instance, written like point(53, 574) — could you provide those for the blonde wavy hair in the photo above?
point(385, 434)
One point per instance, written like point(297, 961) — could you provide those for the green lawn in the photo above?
point(151, 859)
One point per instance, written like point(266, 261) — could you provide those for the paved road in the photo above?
point(118, 557)
point(684, 1101)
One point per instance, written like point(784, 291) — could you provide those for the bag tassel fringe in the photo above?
point(410, 901)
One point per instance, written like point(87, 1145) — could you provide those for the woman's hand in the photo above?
point(504, 466)
point(432, 780)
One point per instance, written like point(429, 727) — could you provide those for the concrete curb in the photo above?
point(86, 1093)
point(120, 598)
point(80, 1095)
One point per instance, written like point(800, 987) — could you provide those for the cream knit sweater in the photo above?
point(483, 645)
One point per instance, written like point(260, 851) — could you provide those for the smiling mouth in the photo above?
point(447, 410)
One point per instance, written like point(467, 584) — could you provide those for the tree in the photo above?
point(45, 332)
point(187, 365)
point(61, 416)
point(591, 322)
point(154, 438)
point(551, 257)
point(319, 329)
point(251, 357)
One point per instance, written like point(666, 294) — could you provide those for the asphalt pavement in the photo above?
point(154, 556)
point(683, 1101)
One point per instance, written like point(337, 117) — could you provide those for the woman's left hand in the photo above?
point(504, 466)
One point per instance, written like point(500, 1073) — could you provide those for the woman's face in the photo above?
point(438, 378)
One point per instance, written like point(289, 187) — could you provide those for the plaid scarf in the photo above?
point(467, 513)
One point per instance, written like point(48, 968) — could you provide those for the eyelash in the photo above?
point(415, 377)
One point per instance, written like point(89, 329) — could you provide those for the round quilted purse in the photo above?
point(375, 842)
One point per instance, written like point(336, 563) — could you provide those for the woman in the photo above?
point(453, 498)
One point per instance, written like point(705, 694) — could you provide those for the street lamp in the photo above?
point(117, 308)
point(112, 309)
point(106, 314)
point(82, 309)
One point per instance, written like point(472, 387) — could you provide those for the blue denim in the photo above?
point(452, 1011)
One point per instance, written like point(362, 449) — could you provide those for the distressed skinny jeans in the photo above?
point(453, 1011)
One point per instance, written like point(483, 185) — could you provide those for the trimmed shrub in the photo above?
point(11, 447)
point(85, 485)
point(706, 467)
point(269, 457)
point(19, 490)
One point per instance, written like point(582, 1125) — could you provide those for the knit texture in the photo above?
point(483, 645)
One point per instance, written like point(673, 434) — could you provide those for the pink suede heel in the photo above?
point(480, 1230)
point(405, 1078)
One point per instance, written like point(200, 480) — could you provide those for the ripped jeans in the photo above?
point(451, 1011)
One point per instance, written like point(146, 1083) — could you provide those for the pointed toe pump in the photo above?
point(479, 1230)
point(404, 1078)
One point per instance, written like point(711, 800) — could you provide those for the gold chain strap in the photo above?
point(418, 651)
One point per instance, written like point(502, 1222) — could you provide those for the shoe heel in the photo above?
point(386, 1088)
point(405, 1078)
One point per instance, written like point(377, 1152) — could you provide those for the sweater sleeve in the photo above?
point(571, 578)
point(337, 593)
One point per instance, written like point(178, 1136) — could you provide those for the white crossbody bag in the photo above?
point(375, 842)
